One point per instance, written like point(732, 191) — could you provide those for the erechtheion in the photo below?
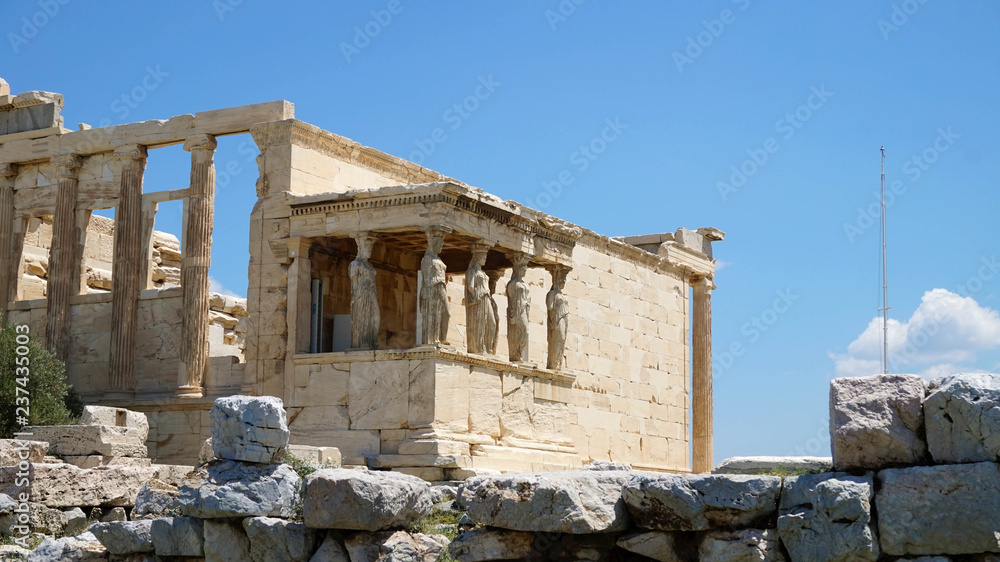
point(413, 321)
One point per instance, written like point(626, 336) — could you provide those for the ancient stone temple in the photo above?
point(415, 322)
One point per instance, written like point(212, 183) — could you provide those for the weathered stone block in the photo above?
point(379, 395)
point(876, 421)
point(232, 489)
point(120, 417)
point(277, 540)
point(125, 537)
point(156, 499)
point(745, 545)
point(178, 536)
point(827, 517)
point(77, 440)
point(962, 417)
point(64, 485)
point(673, 502)
point(225, 540)
point(657, 545)
point(13, 451)
point(576, 502)
point(249, 428)
point(396, 546)
point(939, 509)
point(378, 500)
point(487, 543)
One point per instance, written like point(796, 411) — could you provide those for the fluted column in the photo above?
point(8, 267)
point(126, 270)
point(64, 263)
point(701, 375)
point(197, 258)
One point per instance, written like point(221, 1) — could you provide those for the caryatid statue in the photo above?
point(558, 321)
point(434, 313)
point(518, 304)
point(365, 317)
point(494, 276)
point(480, 320)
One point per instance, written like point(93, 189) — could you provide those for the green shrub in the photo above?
point(51, 400)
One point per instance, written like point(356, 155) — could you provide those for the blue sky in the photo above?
point(761, 119)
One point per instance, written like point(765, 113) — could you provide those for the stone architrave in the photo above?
point(494, 275)
point(125, 276)
point(558, 316)
point(434, 313)
point(365, 314)
point(197, 258)
point(701, 375)
point(9, 247)
point(518, 305)
point(64, 260)
point(480, 321)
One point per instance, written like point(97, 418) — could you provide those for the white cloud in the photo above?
point(721, 264)
point(943, 336)
point(216, 287)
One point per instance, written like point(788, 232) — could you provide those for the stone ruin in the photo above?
point(915, 477)
point(412, 321)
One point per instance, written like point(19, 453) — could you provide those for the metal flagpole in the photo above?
point(885, 294)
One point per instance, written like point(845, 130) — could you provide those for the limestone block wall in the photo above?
point(97, 257)
point(157, 340)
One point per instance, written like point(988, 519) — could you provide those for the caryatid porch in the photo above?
point(407, 282)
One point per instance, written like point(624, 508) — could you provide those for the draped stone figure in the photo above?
point(558, 321)
point(518, 304)
point(480, 321)
point(434, 313)
point(494, 276)
point(365, 317)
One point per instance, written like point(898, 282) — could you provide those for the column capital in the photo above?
point(703, 283)
point(480, 246)
point(67, 165)
point(130, 154)
point(518, 259)
point(200, 141)
point(8, 170)
point(298, 247)
point(437, 230)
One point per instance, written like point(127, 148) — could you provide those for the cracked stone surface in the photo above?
point(962, 417)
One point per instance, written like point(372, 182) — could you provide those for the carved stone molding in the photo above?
point(200, 142)
point(131, 156)
point(67, 165)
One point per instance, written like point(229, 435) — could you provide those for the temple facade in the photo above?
point(415, 322)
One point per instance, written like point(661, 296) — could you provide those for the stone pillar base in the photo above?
point(186, 391)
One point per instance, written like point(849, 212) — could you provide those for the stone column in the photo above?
point(197, 252)
point(64, 263)
point(518, 305)
point(366, 317)
point(558, 317)
point(126, 270)
point(480, 320)
point(298, 311)
point(8, 267)
point(432, 302)
point(701, 375)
